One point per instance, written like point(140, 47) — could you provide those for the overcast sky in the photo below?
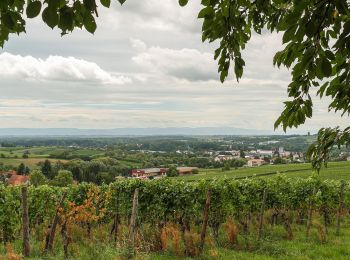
point(146, 66)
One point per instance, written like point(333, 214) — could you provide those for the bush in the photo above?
point(63, 178)
point(37, 178)
point(195, 171)
point(172, 172)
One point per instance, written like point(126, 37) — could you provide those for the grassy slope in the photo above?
point(336, 170)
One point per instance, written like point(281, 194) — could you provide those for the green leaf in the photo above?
point(330, 55)
point(7, 20)
point(341, 6)
point(90, 4)
point(50, 17)
point(33, 9)
point(205, 2)
point(106, 3)
point(66, 20)
point(205, 12)
point(121, 1)
point(183, 2)
point(326, 67)
point(223, 75)
point(89, 23)
point(289, 34)
point(311, 28)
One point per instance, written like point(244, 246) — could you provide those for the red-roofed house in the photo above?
point(148, 173)
point(17, 179)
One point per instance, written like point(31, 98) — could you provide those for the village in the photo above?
point(259, 157)
point(227, 158)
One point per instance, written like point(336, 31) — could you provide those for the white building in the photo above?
point(255, 162)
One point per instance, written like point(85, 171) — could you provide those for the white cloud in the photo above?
point(56, 68)
point(155, 15)
point(138, 45)
point(190, 64)
point(174, 77)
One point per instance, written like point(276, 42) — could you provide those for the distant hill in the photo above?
point(131, 131)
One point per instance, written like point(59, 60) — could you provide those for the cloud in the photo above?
point(56, 68)
point(189, 64)
point(174, 77)
point(165, 15)
point(138, 45)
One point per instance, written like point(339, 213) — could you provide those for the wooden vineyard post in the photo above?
point(262, 209)
point(132, 227)
point(25, 222)
point(51, 233)
point(116, 219)
point(205, 221)
point(309, 215)
point(65, 239)
point(340, 207)
point(325, 221)
point(287, 223)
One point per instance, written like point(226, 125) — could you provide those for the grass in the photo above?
point(335, 170)
point(273, 245)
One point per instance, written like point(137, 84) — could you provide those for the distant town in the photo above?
point(106, 159)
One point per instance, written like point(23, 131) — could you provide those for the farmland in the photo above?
point(88, 215)
point(170, 211)
point(335, 171)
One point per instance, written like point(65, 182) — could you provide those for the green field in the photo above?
point(335, 170)
point(44, 151)
point(32, 163)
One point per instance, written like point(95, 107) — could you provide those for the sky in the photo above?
point(145, 66)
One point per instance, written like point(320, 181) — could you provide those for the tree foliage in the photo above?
point(63, 178)
point(46, 169)
point(172, 172)
point(316, 38)
point(37, 178)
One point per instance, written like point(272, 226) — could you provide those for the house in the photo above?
point(186, 170)
point(17, 180)
point(255, 162)
point(263, 153)
point(286, 154)
point(148, 173)
point(222, 158)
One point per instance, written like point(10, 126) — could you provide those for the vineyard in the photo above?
point(183, 219)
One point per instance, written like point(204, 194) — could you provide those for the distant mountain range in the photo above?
point(132, 131)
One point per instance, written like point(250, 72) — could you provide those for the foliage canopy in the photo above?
point(316, 38)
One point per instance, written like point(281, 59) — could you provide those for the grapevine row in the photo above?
point(167, 200)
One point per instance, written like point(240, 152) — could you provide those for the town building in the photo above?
point(149, 173)
point(255, 162)
point(222, 158)
point(156, 173)
point(265, 153)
